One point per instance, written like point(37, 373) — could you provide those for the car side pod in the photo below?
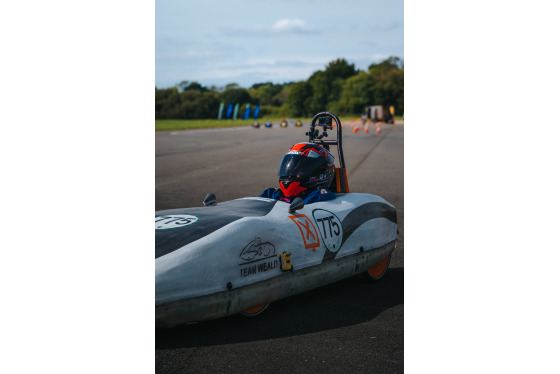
point(252, 299)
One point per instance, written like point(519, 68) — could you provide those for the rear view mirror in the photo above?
point(209, 200)
point(297, 204)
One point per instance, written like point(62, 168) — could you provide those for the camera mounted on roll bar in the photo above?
point(325, 120)
point(326, 123)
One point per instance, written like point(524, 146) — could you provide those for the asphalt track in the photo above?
point(351, 326)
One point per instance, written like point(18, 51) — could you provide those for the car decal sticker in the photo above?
point(258, 257)
point(308, 231)
point(330, 229)
point(174, 221)
point(210, 219)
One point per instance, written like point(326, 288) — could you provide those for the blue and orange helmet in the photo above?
point(305, 166)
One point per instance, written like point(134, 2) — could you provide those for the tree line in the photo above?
point(340, 88)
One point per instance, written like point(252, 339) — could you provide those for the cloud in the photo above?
point(255, 70)
point(292, 25)
point(378, 57)
point(187, 51)
point(281, 27)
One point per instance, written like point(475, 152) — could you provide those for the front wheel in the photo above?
point(255, 311)
point(377, 272)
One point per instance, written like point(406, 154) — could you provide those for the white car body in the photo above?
point(215, 261)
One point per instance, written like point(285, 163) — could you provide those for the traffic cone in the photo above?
point(366, 129)
point(378, 129)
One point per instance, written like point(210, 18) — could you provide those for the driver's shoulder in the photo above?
point(320, 194)
point(270, 192)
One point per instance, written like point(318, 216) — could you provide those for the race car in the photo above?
point(268, 124)
point(284, 123)
point(241, 255)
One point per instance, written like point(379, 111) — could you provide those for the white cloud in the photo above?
point(280, 27)
point(289, 61)
point(291, 25)
point(255, 70)
point(378, 57)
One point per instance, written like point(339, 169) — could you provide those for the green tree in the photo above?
point(384, 67)
point(168, 102)
point(236, 95)
point(298, 99)
point(230, 86)
point(327, 85)
point(340, 68)
point(356, 94)
point(195, 86)
point(320, 92)
point(265, 93)
point(282, 96)
point(340, 88)
point(198, 104)
point(389, 90)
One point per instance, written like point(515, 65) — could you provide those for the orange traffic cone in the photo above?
point(378, 129)
point(366, 129)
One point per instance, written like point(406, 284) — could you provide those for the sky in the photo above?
point(215, 42)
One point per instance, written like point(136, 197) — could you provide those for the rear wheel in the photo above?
point(255, 311)
point(377, 272)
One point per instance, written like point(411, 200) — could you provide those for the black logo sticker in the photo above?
point(258, 257)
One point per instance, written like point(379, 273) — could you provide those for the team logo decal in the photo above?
point(173, 221)
point(259, 257)
point(330, 228)
point(257, 250)
point(307, 230)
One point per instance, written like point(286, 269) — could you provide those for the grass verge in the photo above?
point(191, 124)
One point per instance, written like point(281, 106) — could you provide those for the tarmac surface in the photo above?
point(350, 326)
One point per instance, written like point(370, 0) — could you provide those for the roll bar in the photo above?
point(325, 121)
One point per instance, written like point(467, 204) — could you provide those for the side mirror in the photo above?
point(297, 204)
point(209, 200)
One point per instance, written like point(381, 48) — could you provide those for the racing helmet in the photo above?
point(306, 166)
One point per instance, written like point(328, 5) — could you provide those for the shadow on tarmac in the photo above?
point(348, 302)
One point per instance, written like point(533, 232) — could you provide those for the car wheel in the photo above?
point(377, 272)
point(255, 311)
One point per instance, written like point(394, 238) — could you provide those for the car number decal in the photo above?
point(173, 221)
point(330, 228)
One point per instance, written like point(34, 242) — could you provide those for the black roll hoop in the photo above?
point(314, 136)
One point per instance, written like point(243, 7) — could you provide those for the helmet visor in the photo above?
point(298, 166)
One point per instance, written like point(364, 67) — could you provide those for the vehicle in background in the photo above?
point(378, 113)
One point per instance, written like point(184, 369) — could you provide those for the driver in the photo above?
point(306, 171)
